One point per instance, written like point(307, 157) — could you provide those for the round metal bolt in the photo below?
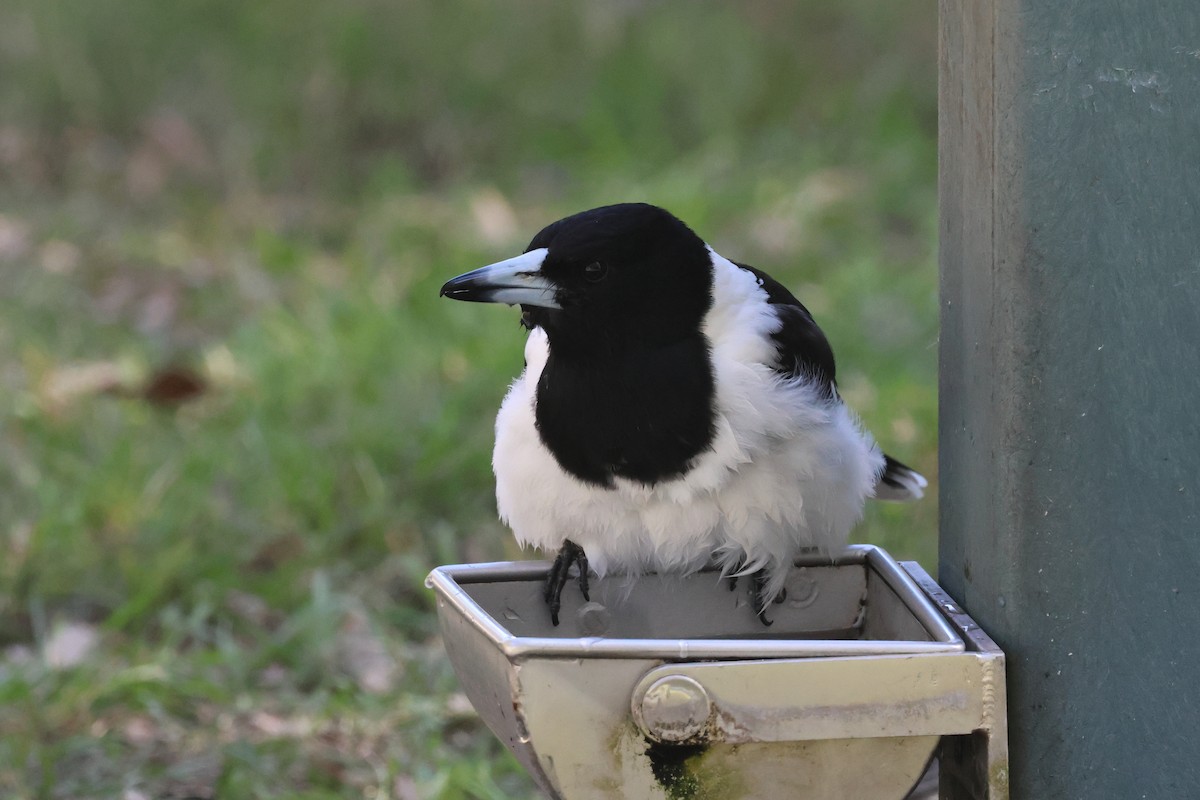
point(674, 709)
point(593, 619)
point(802, 590)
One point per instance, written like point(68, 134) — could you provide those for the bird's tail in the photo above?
point(899, 482)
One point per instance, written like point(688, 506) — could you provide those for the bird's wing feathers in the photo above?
point(803, 348)
point(804, 351)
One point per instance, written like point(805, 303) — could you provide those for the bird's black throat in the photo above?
point(643, 414)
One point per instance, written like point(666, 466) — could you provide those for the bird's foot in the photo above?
point(760, 597)
point(569, 554)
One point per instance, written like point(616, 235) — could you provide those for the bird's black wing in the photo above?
point(803, 349)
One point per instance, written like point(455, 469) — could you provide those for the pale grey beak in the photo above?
point(517, 281)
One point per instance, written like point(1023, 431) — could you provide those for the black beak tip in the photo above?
point(470, 291)
point(454, 289)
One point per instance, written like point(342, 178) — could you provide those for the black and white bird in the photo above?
point(676, 409)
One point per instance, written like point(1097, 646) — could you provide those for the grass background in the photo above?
point(237, 427)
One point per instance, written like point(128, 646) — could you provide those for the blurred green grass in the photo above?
point(223, 596)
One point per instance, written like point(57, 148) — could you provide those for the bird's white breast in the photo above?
point(785, 470)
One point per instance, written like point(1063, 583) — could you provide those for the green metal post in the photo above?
point(1070, 379)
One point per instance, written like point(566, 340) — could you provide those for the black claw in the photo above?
point(583, 574)
point(733, 579)
point(759, 590)
point(569, 554)
point(552, 579)
point(760, 597)
point(782, 596)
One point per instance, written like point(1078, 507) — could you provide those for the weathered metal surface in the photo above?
point(655, 718)
point(1070, 445)
point(786, 700)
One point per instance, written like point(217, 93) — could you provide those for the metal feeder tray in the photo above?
point(670, 687)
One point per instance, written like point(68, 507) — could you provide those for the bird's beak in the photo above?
point(517, 281)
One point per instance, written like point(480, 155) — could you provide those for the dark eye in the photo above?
point(595, 272)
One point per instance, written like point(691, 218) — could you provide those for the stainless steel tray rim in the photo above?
point(446, 582)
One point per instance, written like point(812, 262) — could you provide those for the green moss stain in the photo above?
point(669, 763)
point(696, 772)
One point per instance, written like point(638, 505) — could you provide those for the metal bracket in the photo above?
point(959, 696)
point(789, 700)
point(974, 765)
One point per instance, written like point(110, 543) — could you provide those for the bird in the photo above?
point(677, 410)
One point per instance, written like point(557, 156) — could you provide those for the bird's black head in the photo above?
point(603, 279)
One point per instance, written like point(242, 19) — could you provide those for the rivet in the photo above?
point(674, 709)
point(593, 618)
point(802, 590)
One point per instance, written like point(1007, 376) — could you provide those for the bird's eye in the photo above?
point(595, 272)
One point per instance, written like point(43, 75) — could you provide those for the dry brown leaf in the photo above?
point(172, 385)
